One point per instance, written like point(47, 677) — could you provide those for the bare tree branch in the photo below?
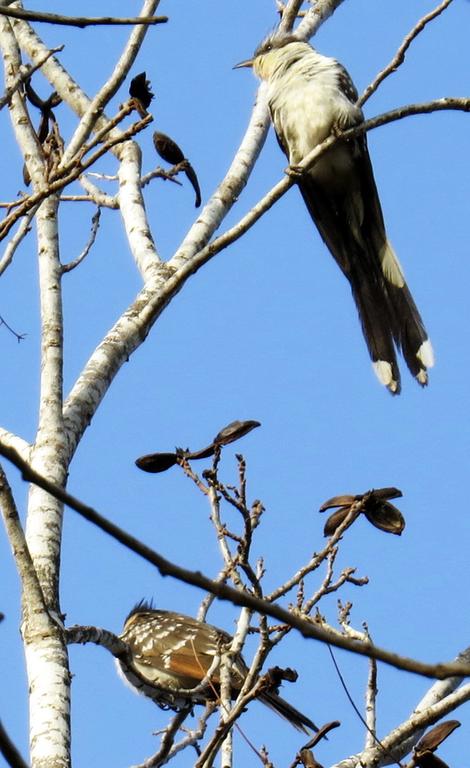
point(168, 739)
point(80, 21)
point(399, 57)
point(19, 547)
point(10, 751)
point(371, 704)
point(25, 73)
point(70, 175)
point(224, 592)
point(320, 12)
point(95, 223)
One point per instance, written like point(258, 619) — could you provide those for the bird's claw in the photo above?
point(336, 130)
point(295, 171)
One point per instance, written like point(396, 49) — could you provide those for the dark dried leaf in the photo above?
point(156, 462)
point(321, 733)
point(26, 176)
point(429, 760)
point(167, 148)
point(386, 493)
point(308, 760)
point(385, 516)
point(335, 520)
point(32, 96)
point(338, 501)
point(140, 89)
point(234, 431)
point(431, 740)
point(275, 675)
point(171, 153)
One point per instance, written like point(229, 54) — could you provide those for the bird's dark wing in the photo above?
point(345, 83)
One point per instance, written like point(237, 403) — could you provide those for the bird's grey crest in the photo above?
point(273, 41)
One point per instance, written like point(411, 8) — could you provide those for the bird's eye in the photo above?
point(269, 47)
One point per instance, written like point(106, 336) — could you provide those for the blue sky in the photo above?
point(268, 331)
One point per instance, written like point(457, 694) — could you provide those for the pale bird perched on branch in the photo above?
point(171, 655)
point(310, 96)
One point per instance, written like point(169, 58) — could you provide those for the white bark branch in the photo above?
point(92, 118)
point(107, 91)
point(11, 440)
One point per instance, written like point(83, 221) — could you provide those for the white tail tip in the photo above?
point(425, 354)
point(383, 371)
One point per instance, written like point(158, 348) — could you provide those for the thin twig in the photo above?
point(80, 21)
point(159, 173)
point(318, 558)
point(100, 198)
point(168, 738)
point(356, 708)
point(9, 750)
point(281, 7)
point(70, 175)
point(207, 601)
point(111, 202)
point(289, 14)
point(193, 735)
point(95, 222)
point(399, 57)
point(19, 336)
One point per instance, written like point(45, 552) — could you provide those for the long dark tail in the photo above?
point(288, 712)
point(349, 218)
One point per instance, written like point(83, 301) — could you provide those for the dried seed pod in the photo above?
point(204, 453)
point(167, 148)
point(308, 760)
point(234, 431)
point(431, 740)
point(428, 760)
point(140, 90)
point(156, 462)
point(274, 676)
point(171, 153)
point(335, 520)
point(160, 462)
point(385, 516)
point(387, 493)
point(338, 501)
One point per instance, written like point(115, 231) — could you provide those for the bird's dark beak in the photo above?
point(247, 63)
